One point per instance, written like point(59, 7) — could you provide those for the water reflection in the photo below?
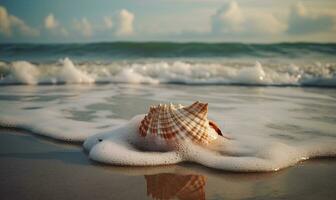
point(174, 186)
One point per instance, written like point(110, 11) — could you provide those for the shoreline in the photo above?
point(35, 168)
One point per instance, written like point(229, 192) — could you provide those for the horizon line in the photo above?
point(167, 42)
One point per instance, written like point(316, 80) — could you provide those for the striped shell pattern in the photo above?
point(174, 123)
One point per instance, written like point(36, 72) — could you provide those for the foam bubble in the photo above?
point(119, 147)
point(70, 74)
point(130, 76)
point(270, 128)
point(24, 72)
point(251, 75)
point(183, 72)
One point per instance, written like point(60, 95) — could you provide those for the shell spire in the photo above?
point(179, 123)
point(199, 109)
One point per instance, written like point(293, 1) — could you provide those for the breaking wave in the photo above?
point(65, 71)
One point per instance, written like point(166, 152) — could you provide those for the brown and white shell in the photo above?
point(176, 186)
point(176, 123)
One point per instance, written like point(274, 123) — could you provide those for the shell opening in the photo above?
point(215, 127)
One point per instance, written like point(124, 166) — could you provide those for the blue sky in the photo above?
point(45, 21)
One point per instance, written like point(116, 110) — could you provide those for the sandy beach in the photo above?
point(158, 99)
point(37, 168)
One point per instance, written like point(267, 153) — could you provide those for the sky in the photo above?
point(252, 21)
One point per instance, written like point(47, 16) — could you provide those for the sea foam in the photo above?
point(119, 147)
point(70, 74)
point(181, 72)
point(22, 72)
point(269, 128)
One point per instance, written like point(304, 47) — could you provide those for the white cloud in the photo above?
point(84, 27)
point(50, 22)
point(108, 22)
point(54, 26)
point(265, 23)
point(303, 21)
point(228, 18)
point(120, 23)
point(124, 24)
point(5, 24)
point(231, 19)
point(10, 23)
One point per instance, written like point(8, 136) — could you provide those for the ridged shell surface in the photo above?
point(175, 186)
point(175, 123)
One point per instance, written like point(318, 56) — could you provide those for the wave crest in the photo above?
point(156, 72)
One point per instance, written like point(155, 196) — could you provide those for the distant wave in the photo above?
point(122, 50)
point(168, 72)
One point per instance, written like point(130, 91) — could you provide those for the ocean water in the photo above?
point(284, 64)
point(276, 103)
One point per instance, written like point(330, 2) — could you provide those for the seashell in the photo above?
point(176, 123)
point(175, 186)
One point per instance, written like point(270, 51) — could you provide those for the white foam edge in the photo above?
point(118, 148)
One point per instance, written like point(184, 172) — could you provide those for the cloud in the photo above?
point(228, 18)
point(108, 22)
point(50, 22)
point(120, 23)
point(84, 27)
point(231, 19)
point(303, 21)
point(124, 24)
point(54, 26)
point(265, 23)
point(10, 24)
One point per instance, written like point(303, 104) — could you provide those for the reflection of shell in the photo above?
point(179, 123)
point(168, 186)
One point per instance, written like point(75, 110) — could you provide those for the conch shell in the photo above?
point(176, 123)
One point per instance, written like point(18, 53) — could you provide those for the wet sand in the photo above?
point(37, 168)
